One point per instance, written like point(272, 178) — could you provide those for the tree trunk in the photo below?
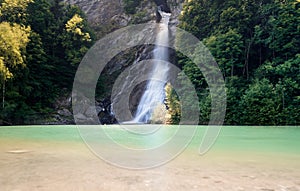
point(232, 67)
point(3, 94)
point(246, 67)
point(260, 55)
point(283, 99)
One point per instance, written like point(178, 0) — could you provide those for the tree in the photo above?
point(195, 18)
point(13, 41)
point(65, 37)
point(173, 105)
point(235, 89)
point(227, 49)
point(54, 48)
point(75, 40)
point(286, 78)
point(14, 11)
point(260, 103)
point(284, 35)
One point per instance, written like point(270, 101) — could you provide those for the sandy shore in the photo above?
point(45, 165)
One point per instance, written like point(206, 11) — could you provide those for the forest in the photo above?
point(255, 42)
point(42, 43)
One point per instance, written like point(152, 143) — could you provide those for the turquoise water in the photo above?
point(272, 139)
point(264, 139)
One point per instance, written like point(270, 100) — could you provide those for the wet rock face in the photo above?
point(158, 16)
point(99, 11)
point(103, 16)
point(108, 15)
point(164, 5)
point(84, 116)
point(111, 14)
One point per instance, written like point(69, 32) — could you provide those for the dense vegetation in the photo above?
point(255, 42)
point(42, 42)
point(257, 46)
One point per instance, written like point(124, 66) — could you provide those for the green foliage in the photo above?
point(256, 44)
point(205, 107)
point(173, 105)
point(53, 37)
point(195, 19)
point(235, 89)
point(75, 40)
point(286, 78)
point(227, 49)
point(14, 11)
point(13, 41)
point(261, 104)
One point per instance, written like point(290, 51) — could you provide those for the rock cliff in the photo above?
point(106, 16)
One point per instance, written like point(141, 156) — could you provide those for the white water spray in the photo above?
point(154, 94)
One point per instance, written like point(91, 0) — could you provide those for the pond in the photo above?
point(242, 158)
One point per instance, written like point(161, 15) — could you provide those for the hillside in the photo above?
point(255, 43)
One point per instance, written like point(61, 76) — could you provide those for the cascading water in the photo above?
point(154, 94)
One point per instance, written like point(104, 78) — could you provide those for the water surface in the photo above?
point(243, 158)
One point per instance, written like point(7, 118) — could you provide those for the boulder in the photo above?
point(65, 112)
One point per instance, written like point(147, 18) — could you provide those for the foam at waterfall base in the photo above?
point(131, 123)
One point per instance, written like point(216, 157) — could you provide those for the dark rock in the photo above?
point(106, 118)
point(164, 5)
point(105, 114)
point(4, 123)
point(158, 16)
point(136, 96)
point(64, 112)
point(80, 116)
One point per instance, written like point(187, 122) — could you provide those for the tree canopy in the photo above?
point(41, 44)
point(256, 44)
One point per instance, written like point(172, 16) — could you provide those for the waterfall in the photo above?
point(154, 94)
